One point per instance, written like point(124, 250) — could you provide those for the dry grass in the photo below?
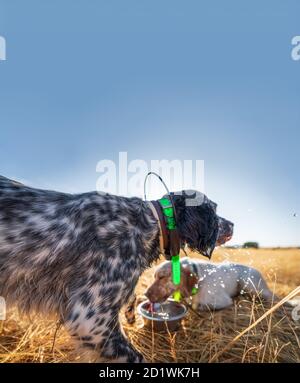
point(202, 338)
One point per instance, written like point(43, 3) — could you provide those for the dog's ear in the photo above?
point(197, 225)
point(163, 270)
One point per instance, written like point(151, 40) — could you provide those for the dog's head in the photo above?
point(163, 287)
point(199, 226)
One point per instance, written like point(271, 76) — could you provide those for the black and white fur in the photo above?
point(80, 256)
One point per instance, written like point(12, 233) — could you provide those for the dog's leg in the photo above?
point(116, 347)
point(255, 286)
point(130, 309)
point(205, 300)
point(99, 334)
point(213, 304)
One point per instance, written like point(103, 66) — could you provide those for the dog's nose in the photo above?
point(151, 298)
point(148, 294)
point(225, 231)
point(230, 227)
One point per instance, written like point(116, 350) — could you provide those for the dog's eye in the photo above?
point(163, 276)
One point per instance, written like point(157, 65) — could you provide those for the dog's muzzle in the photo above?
point(225, 231)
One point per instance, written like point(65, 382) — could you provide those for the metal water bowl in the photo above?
point(162, 317)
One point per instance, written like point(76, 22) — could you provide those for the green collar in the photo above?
point(195, 290)
point(174, 241)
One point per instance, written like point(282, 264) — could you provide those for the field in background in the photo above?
point(275, 339)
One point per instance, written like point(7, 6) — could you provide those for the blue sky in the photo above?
point(208, 80)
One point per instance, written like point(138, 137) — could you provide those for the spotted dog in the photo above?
point(79, 257)
point(216, 284)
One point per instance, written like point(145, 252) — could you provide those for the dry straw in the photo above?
point(267, 313)
point(246, 332)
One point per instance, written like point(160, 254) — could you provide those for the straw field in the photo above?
point(207, 337)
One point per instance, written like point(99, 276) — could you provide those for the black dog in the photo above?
point(80, 256)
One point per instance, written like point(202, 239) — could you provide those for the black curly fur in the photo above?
point(197, 225)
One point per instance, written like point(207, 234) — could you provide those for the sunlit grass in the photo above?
point(201, 339)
